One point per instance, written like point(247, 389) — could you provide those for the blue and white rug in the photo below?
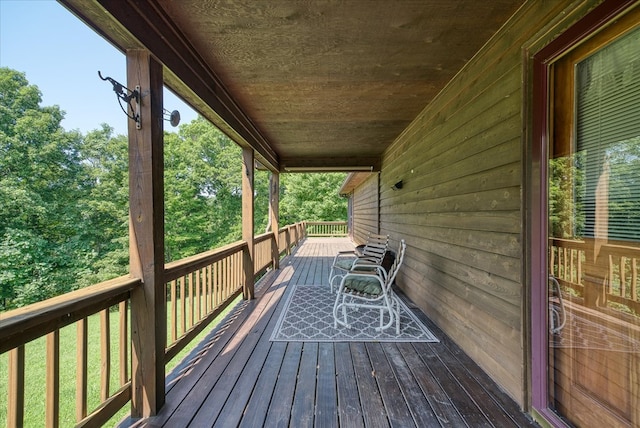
point(308, 317)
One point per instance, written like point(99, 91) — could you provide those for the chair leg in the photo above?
point(396, 304)
point(387, 306)
point(397, 318)
point(344, 313)
point(333, 279)
point(337, 306)
point(331, 276)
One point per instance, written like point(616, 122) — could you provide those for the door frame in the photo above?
point(537, 201)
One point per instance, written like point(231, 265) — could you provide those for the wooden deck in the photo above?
point(237, 377)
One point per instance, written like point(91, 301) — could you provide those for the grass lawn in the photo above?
point(35, 361)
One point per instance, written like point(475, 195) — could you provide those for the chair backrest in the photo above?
point(393, 271)
point(376, 246)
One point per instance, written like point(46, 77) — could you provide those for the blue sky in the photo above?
point(62, 56)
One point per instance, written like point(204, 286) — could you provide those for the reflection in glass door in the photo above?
point(594, 235)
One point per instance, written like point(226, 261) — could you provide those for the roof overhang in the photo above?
point(309, 85)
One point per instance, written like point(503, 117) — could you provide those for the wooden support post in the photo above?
point(15, 406)
point(247, 221)
point(274, 215)
point(146, 237)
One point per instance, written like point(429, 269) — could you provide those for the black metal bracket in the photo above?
point(131, 98)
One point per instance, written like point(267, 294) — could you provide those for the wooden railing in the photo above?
point(290, 236)
point(567, 259)
point(264, 253)
point(198, 289)
point(47, 318)
point(326, 228)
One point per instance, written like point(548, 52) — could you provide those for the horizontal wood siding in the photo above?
point(365, 209)
point(460, 208)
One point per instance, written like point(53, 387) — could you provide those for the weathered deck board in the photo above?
point(238, 377)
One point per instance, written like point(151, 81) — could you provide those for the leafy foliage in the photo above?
point(572, 193)
point(41, 178)
point(203, 191)
point(64, 197)
point(311, 196)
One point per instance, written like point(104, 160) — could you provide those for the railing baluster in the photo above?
point(105, 354)
point(609, 285)
point(173, 326)
point(52, 403)
point(572, 253)
point(228, 269)
point(210, 305)
point(81, 368)
point(216, 284)
point(581, 256)
point(124, 342)
point(191, 300)
point(183, 306)
point(198, 294)
point(15, 411)
point(634, 279)
point(623, 276)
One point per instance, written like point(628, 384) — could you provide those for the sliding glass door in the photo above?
point(593, 248)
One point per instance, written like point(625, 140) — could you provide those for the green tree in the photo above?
point(203, 191)
point(64, 197)
point(41, 180)
point(312, 196)
point(104, 211)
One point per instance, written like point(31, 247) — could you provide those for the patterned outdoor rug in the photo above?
point(308, 317)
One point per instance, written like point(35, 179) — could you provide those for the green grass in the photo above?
point(35, 363)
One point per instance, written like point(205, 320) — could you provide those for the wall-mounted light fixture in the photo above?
point(132, 98)
point(173, 117)
point(397, 186)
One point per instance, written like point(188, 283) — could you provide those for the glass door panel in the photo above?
point(594, 235)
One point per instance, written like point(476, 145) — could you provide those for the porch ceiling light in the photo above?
point(328, 168)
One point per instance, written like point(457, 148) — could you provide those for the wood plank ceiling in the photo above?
point(323, 85)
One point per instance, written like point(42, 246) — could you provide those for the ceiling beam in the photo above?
point(142, 24)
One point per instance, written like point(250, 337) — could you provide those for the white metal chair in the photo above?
point(372, 254)
point(370, 289)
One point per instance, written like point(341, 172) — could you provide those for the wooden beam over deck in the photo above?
point(247, 220)
point(146, 236)
point(143, 24)
point(274, 216)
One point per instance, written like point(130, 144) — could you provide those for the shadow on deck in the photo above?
point(237, 377)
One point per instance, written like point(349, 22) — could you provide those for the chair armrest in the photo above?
point(343, 253)
point(369, 269)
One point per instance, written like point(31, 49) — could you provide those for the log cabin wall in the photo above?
point(366, 209)
point(461, 205)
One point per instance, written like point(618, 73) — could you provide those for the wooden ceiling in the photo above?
point(309, 84)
